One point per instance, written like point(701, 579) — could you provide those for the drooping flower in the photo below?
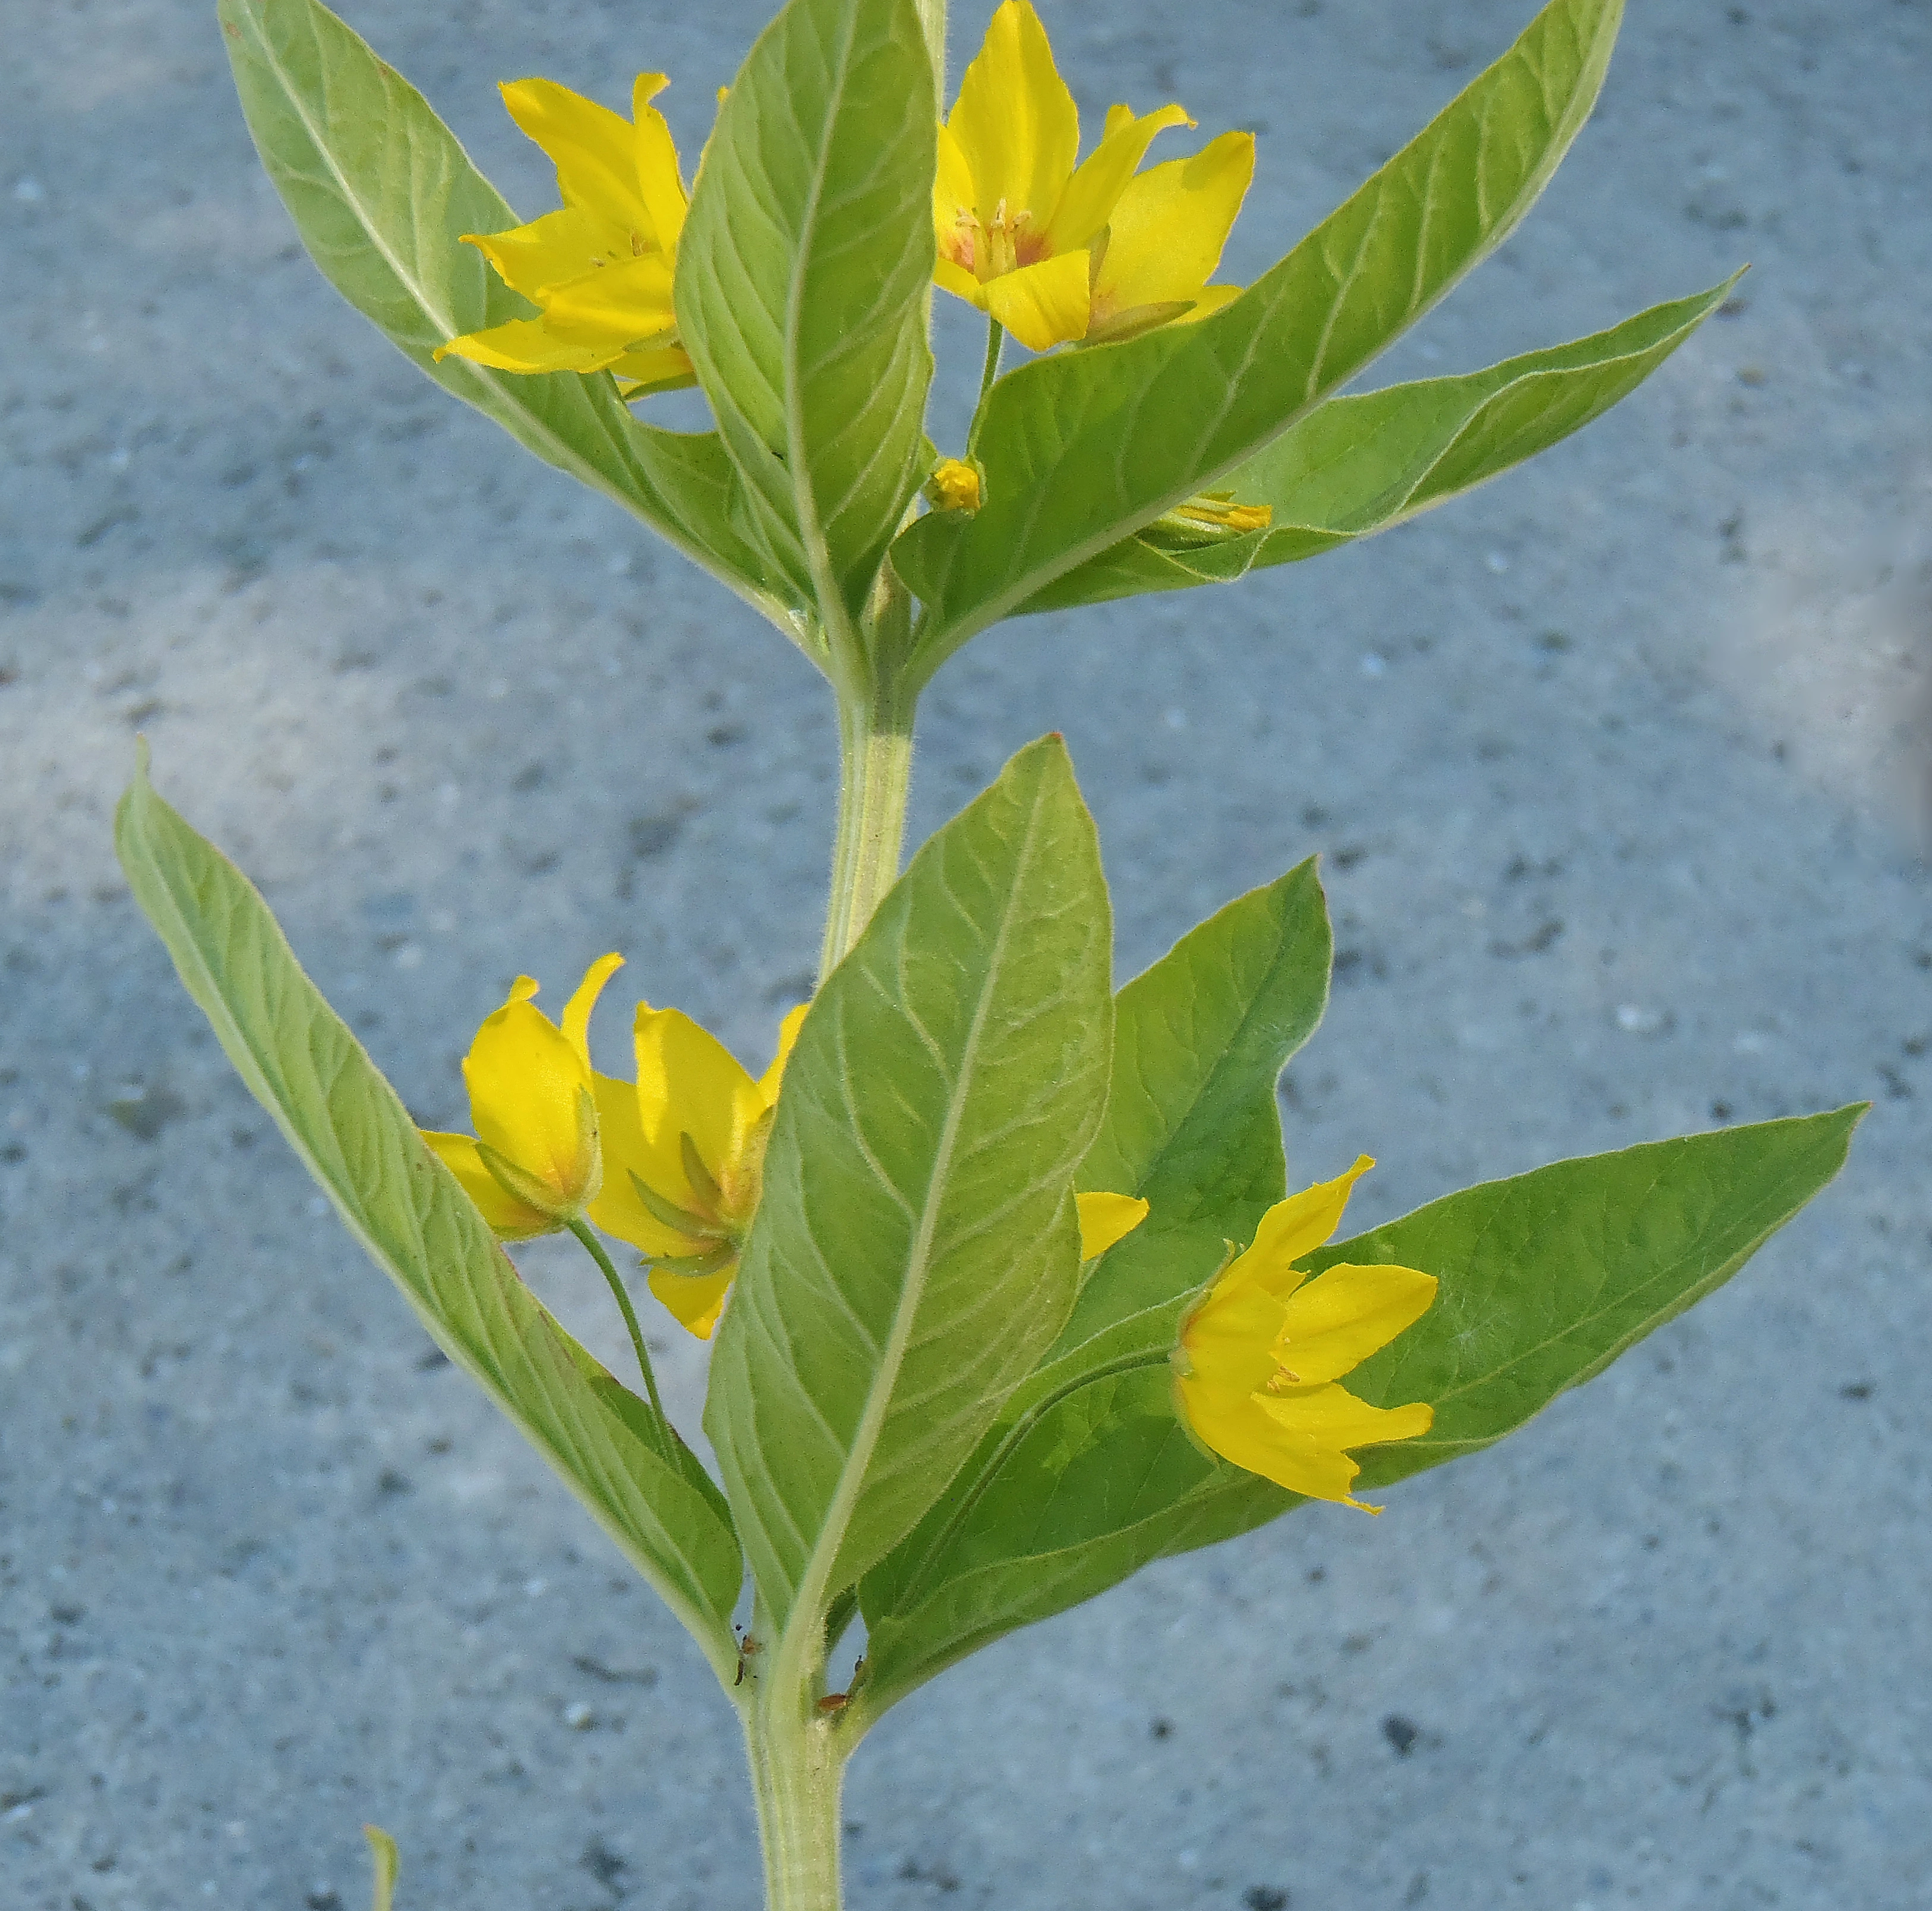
point(1057, 251)
point(685, 1144)
point(535, 1163)
point(599, 270)
point(1261, 1353)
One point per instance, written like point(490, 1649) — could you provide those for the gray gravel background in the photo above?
point(1618, 769)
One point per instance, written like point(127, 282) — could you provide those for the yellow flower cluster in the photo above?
point(672, 1162)
point(1058, 252)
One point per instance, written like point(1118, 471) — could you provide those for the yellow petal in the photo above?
point(576, 1010)
point(660, 184)
point(1088, 203)
point(529, 1090)
point(1333, 1416)
point(656, 368)
point(622, 303)
point(1210, 298)
point(768, 1082)
point(594, 150)
point(695, 1300)
point(1015, 123)
point(952, 203)
point(549, 251)
point(617, 1210)
point(688, 1083)
point(1244, 1432)
point(1296, 1226)
point(509, 1219)
point(958, 281)
point(1229, 1337)
point(524, 345)
point(1042, 305)
point(1166, 233)
point(1106, 1218)
point(1335, 1321)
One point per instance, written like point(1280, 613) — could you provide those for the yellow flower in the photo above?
point(1055, 251)
point(600, 269)
point(534, 1165)
point(1258, 1357)
point(685, 1144)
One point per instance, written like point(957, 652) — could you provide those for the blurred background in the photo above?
point(1618, 772)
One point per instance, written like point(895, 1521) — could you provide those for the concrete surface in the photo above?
point(1617, 768)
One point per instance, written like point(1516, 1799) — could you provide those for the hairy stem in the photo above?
point(797, 1774)
point(875, 776)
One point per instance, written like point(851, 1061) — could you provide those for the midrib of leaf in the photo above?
point(444, 321)
point(811, 531)
point(803, 1622)
point(462, 372)
point(1037, 1411)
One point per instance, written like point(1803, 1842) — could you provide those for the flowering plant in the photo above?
point(1006, 1292)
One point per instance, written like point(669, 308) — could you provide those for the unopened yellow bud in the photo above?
point(955, 485)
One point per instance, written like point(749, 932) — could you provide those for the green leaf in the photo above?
point(804, 276)
point(915, 1248)
point(1082, 448)
point(355, 1137)
point(387, 1863)
point(380, 190)
point(1356, 466)
point(1200, 1040)
point(1548, 1277)
point(1545, 1278)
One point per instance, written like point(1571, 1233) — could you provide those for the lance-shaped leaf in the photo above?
point(1081, 449)
point(355, 1137)
point(1356, 466)
point(802, 283)
point(1545, 1279)
point(380, 189)
point(915, 1248)
point(1200, 1040)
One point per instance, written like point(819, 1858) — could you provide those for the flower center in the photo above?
point(1002, 245)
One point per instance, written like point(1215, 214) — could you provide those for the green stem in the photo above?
point(797, 1774)
point(996, 340)
point(875, 776)
point(595, 1248)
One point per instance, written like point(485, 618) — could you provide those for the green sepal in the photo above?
point(680, 1221)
